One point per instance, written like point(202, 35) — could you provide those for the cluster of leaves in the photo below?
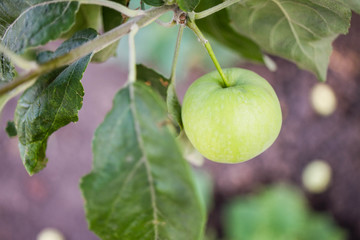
point(279, 212)
point(141, 185)
point(300, 31)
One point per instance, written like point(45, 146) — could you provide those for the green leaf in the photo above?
point(279, 212)
point(106, 53)
point(31, 23)
point(51, 103)
point(161, 85)
point(205, 186)
point(88, 16)
point(151, 78)
point(187, 5)
point(173, 104)
point(218, 26)
point(11, 129)
point(140, 187)
point(111, 19)
point(156, 3)
point(354, 5)
point(301, 31)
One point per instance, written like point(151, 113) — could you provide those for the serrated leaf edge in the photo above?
point(37, 5)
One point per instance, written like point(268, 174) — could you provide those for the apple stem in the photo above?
point(132, 53)
point(191, 24)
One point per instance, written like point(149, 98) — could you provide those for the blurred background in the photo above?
point(306, 186)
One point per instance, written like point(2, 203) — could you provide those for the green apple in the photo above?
point(231, 124)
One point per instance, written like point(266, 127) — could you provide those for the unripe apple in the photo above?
point(235, 123)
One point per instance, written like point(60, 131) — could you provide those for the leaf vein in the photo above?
point(311, 9)
point(297, 39)
point(271, 35)
point(127, 179)
point(146, 162)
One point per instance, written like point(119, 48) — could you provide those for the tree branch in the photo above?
point(94, 45)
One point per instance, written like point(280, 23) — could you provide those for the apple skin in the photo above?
point(231, 124)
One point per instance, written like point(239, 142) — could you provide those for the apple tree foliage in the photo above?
point(141, 186)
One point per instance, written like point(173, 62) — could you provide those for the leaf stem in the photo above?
point(207, 45)
point(132, 53)
point(215, 9)
point(17, 59)
point(106, 3)
point(176, 54)
point(94, 45)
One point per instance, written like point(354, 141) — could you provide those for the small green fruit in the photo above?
point(231, 124)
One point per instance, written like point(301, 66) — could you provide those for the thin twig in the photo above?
point(215, 9)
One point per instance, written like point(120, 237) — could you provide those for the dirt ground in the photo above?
point(52, 198)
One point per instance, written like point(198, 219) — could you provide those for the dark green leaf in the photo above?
point(88, 16)
point(218, 26)
point(31, 23)
point(173, 104)
point(140, 187)
point(11, 129)
point(155, 3)
point(51, 103)
point(151, 78)
point(112, 18)
point(301, 31)
point(187, 5)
